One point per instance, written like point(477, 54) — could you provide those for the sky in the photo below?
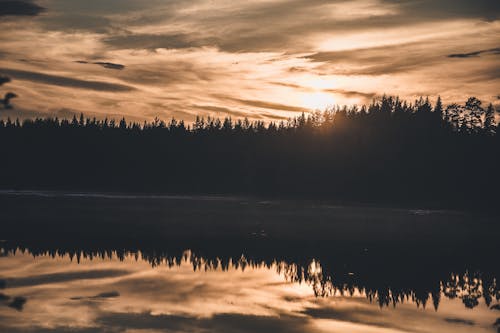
point(262, 59)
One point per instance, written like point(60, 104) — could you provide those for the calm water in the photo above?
point(94, 263)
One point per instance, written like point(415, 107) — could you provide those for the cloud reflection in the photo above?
point(165, 299)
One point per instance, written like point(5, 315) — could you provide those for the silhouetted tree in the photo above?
point(474, 113)
point(489, 120)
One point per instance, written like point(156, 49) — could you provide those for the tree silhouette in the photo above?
point(390, 151)
point(489, 120)
point(475, 113)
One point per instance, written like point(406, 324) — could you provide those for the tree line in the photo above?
point(390, 151)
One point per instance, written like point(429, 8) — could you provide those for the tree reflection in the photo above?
point(469, 287)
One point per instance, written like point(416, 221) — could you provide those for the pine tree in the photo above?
point(74, 121)
point(475, 112)
point(123, 124)
point(438, 108)
point(489, 120)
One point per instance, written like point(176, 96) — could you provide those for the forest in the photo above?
point(389, 152)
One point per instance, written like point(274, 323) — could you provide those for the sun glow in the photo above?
point(317, 100)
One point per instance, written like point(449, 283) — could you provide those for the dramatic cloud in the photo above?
point(19, 8)
point(4, 79)
point(63, 81)
point(475, 53)
point(268, 105)
point(104, 295)
point(18, 303)
point(6, 100)
point(108, 65)
point(152, 42)
point(484, 9)
point(353, 94)
point(222, 111)
point(13, 302)
point(460, 321)
point(259, 59)
point(222, 323)
point(62, 277)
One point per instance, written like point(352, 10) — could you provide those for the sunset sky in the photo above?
point(264, 59)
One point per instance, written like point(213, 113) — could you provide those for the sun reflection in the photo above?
point(315, 268)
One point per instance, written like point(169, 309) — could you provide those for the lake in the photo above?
point(83, 262)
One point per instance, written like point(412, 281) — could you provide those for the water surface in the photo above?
point(106, 263)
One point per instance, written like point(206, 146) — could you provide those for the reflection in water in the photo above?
point(469, 287)
point(92, 263)
point(115, 291)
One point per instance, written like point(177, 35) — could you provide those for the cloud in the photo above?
point(402, 58)
point(65, 81)
point(19, 8)
point(460, 321)
point(374, 61)
point(62, 277)
point(13, 302)
point(224, 110)
point(270, 105)
point(289, 85)
point(4, 79)
point(23, 113)
point(483, 74)
point(240, 114)
point(264, 104)
point(108, 65)
point(57, 329)
point(191, 50)
point(343, 92)
point(488, 10)
point(71, 22)
point(364, 316)
point(257, 26)
point(105, 295)
point(475, 53)
point(18, 303)
point(352, 93)
point(153, 41)
point(221, 323)
point(338, 314)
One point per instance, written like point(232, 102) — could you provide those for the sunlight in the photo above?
point(317, 100)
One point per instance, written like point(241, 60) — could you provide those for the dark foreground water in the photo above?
point(117, 263)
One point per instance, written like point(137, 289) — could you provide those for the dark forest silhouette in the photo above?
point(390, 151)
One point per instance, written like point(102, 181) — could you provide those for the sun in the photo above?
point(317, 100)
